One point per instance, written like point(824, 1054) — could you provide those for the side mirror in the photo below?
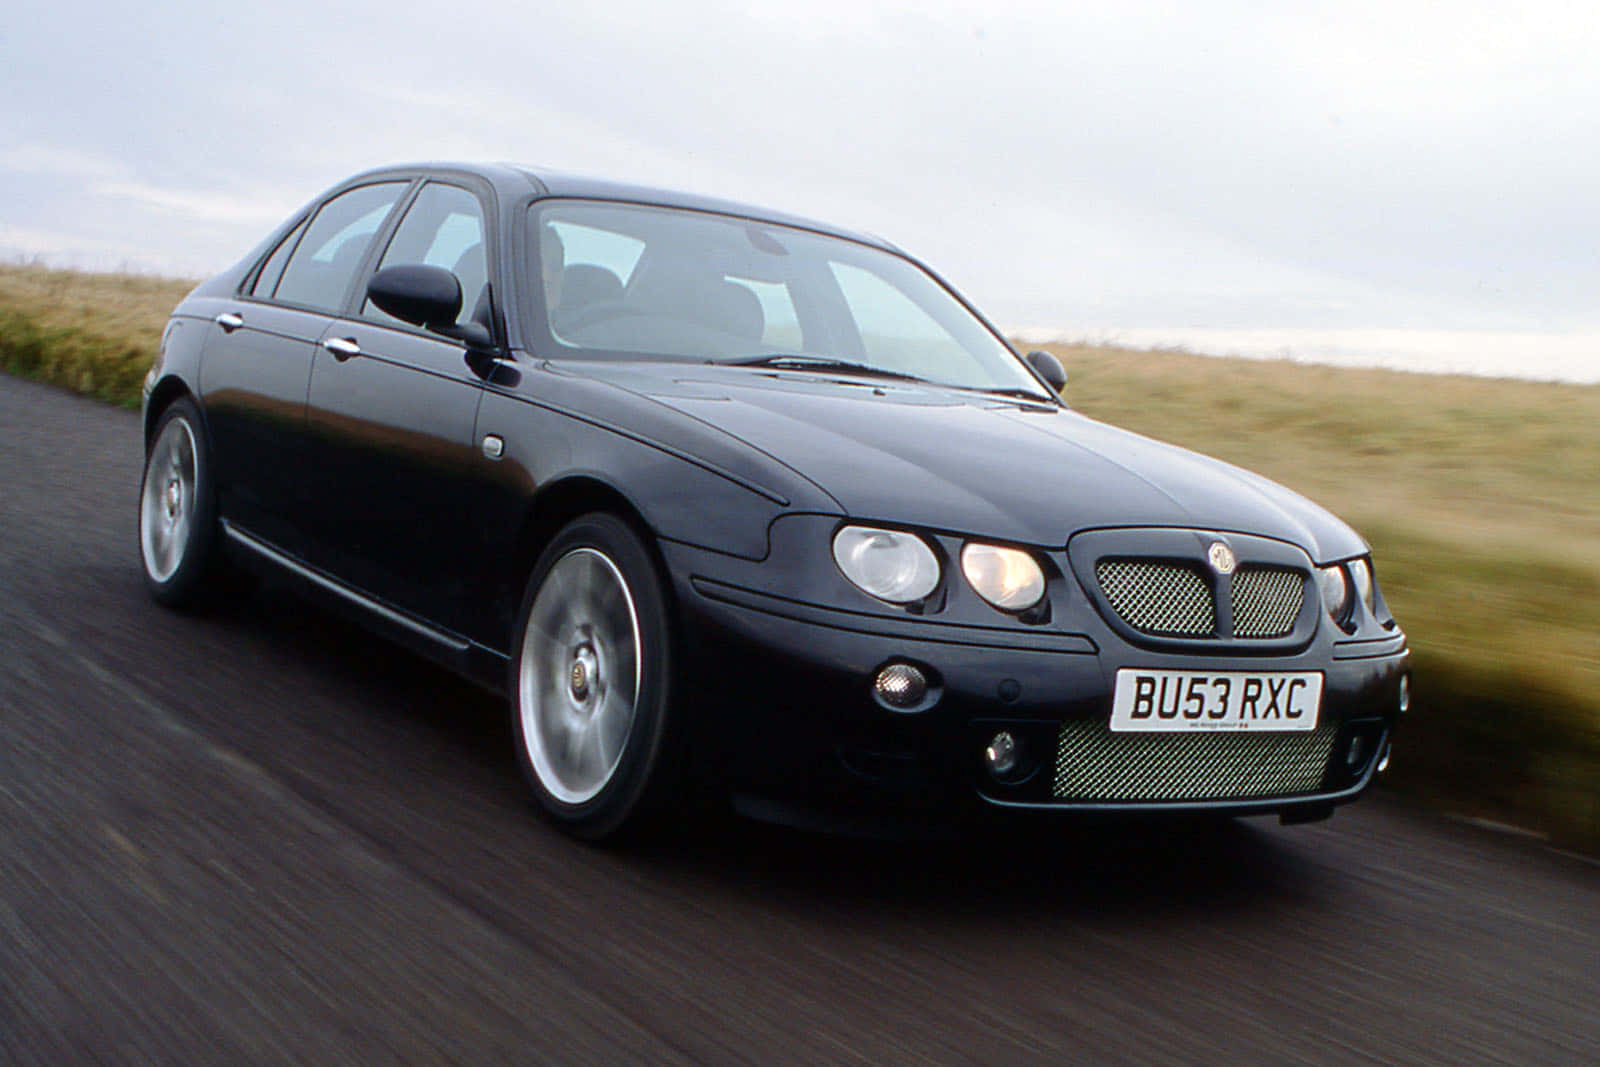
point(1049, 368)
point(429, 297)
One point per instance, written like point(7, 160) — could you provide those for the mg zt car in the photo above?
point(730, 503)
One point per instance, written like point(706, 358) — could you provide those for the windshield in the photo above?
point(622, 281)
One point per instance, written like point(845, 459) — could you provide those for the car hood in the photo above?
point(971, 463)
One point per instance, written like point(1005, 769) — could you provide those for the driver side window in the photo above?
point(442, 228)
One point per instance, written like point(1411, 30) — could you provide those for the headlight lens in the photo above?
point(1008, 578)
point(889, 564)
point(1335, 589)
point(1361, 574)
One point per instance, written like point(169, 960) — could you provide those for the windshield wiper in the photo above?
point(1006, 390)
point(800, 361)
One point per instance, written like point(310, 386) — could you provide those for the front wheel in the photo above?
point(591, 676)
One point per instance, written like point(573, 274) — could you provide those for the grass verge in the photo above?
point(93, 333)
point(1480, 497)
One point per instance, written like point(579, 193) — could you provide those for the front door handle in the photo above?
point(229, 321)
point(342, 347)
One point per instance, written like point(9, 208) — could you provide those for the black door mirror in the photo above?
point(1049, 368)
point(429, 297)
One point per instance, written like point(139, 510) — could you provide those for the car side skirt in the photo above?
point(477, 663)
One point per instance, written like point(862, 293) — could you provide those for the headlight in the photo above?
point(1361, 574)
point(1335, 588)
point(1006, 577)
point(888, 564)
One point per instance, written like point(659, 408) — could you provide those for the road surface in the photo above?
point(262, 835)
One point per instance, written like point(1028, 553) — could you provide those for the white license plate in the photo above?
point(1176, 701)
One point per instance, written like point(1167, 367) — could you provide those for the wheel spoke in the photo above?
point(611, 724)
point(572, 744)
point(592, 757)
point(545, 623)
point(169, 553)
point(625, 672)
point(611, 605)
point(561, 585)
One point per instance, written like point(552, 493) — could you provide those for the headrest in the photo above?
point(732, 308)
point(584, 283)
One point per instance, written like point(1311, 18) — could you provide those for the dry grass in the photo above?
point(95, 333)
point(1481, 499)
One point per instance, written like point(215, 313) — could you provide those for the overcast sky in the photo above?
point(1222, 164)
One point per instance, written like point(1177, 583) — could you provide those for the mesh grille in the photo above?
point(1158, 598)
point(1094, 764)
point(1266, 601)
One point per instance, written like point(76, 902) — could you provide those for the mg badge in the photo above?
point(1221, 557)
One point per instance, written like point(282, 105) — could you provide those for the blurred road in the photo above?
point(263, 835)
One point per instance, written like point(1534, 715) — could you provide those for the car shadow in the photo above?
point(1055, 866)
point(1172, 867)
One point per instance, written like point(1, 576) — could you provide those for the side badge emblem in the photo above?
point(1221, 558)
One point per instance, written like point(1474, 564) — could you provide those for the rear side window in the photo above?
point(443, 227)
point(267, 280)
point(320, 269)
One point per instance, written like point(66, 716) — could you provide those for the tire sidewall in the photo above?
point(642, 774)
point(183, 584)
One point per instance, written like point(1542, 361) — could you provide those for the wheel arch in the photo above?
point(552, 507)
point(167, 391)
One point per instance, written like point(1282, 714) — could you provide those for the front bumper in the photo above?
point(781, 698)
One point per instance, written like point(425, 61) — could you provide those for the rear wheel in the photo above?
point(178, 510)
point(590, 678)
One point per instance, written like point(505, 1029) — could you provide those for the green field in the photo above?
point(1481, 499)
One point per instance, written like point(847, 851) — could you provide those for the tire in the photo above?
point(591, 679)
point(178, 542)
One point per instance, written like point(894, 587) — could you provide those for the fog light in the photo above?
point(1003, 755)
point(900, 685)
point(1405, 692)
point(1356, 755)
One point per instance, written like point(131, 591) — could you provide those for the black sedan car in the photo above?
point(731, 502)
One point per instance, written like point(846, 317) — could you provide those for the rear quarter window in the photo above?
point(266, 282)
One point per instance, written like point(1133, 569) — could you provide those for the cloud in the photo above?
point(1373, 162)
point(57, 161)
point(60, 248)
point(260, 210)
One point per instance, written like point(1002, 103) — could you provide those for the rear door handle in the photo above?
point(342, 347)
point(229, 321)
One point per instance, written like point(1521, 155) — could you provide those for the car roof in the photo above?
point(513, 180)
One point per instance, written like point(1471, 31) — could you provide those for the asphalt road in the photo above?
point(263, 835)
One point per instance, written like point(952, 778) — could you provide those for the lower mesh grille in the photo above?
point(1094, 764)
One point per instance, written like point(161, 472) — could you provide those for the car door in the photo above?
point(391, 414)
point(257, 364)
